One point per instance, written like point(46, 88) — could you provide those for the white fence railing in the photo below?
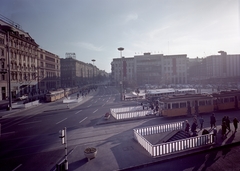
point(156, 129)
point(126, 109)
point(72, 100)
point(26, 105)
point(132, 114)
point(170, 147)
point(129, 112)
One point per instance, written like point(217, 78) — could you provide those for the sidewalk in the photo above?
point(122, 152)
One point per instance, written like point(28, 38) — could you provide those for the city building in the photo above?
point(214, 69)
point(223, 67)
point(19, 50)
point(76, 73)
point(48, 71)
point(123, 71)
point(154, 69)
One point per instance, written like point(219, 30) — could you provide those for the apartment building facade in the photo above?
point(222, 67)
point(150, 69)
point(33, 71)
point(48, 71)
point(19, 50)
point(76, 73)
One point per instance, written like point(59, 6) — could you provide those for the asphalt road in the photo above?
point(32, 135)
point(34, 132)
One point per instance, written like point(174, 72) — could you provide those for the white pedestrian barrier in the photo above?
point(162, 149)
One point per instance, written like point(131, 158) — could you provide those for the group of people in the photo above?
point(193, 127)
point(225, 125)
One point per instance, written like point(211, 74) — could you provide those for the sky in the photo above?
point(95, 29)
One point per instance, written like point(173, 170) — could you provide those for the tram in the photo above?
point(226, 100)
point(54, 95)
point(180, 105)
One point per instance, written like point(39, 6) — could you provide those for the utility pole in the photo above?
point(121, 81)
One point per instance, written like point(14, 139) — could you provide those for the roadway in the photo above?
point(36, 130)
point(30, 141)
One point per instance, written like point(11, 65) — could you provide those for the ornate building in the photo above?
point(20, 50)
point(33, 71)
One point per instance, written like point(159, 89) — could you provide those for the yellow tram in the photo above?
point(54, 95)
point(180, 105)
point(226, 100)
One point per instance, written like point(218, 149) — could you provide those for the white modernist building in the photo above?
point(150, 69)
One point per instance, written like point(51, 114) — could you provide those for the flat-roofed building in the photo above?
point(48, 71)
point(154, 69)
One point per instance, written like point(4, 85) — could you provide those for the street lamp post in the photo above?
point(121, 81)
point(93, 60)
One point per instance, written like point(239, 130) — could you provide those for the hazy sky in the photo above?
point(94, 29)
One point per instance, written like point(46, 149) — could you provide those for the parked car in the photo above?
point(23, 97)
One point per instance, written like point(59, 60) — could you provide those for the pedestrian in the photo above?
point(228, 123)
point(224, 129)
point(235, 123)
point(224, 119)
point(201, 120)
point(215, 134)
point(194, 128)
point(187, 127)
point(213, 121)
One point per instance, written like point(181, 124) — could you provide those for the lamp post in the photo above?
point(93, 60)
point(8, 29)
point(121, 81)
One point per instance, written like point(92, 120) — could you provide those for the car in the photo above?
point(23, 97)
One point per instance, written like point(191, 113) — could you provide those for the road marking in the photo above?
point(61, 121)
point(89, 105)
point(103, 104)
point(29, 122)
point(78, 111)
point(17, 167)
point(95, 110)
point(83, 120)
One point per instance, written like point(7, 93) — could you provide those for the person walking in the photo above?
point(235, 123)
point(213, 121)
point(187, 127)
point(224, 119)
point(227, 120)
point(224, 129)
point(201, 120)
point(194, 128)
